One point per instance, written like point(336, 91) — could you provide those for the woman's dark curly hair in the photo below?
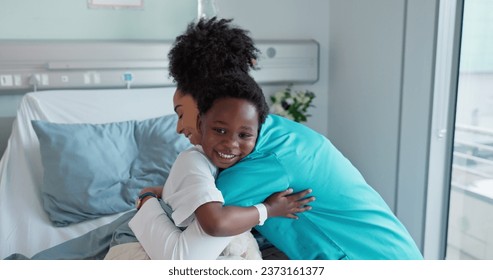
point(232, 85)
point(208, 48)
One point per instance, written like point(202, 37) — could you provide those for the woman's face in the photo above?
point(186, 109)
point(229, 131)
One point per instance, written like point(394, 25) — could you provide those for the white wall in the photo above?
point(366, 49)
point(380, 95)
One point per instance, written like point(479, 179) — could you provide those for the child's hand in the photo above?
point(157, 190)
point(286, 204)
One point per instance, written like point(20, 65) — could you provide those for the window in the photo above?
point(470, 223)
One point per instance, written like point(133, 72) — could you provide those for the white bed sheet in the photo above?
point(24, 226)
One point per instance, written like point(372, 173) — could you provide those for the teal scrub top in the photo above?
point(349, 219)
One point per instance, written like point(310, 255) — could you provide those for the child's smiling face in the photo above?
point(229, 131)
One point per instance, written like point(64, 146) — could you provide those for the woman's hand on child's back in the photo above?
point(288, 204)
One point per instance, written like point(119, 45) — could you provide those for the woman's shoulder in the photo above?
point(279, 133)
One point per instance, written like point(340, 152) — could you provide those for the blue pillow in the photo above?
point(92, 170)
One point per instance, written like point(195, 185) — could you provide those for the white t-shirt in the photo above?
point(189, 185)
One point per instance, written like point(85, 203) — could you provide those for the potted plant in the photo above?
point(292, 105)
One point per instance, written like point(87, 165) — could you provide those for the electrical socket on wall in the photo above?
point(6, 80)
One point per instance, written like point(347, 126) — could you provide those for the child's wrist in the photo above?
point(143, 198)
point(262, 213)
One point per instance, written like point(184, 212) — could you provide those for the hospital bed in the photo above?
point(27, 227)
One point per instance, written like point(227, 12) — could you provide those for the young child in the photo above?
point(232, 109)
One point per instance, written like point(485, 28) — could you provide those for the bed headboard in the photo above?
point(33, 65)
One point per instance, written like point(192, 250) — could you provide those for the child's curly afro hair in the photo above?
point(238, 85)
point(209, 48)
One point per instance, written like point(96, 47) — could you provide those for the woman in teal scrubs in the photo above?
point(348, 220)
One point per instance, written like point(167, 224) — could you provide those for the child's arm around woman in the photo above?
point(219, 220)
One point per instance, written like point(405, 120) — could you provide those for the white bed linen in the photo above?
point(24, 225)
